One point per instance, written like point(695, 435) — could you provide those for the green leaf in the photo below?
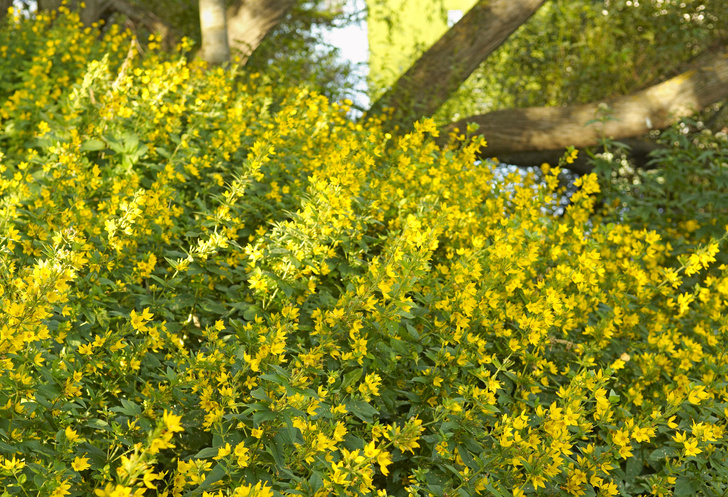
point(99, 424)
point(129, 408)
point(261, 416)
point(93, 145)
point(467, 458)
point(685, 486)
point(163, 152)
point(259, 394)
point(275, 449)
point(42, 401)
point(412, 331)
point(207, 452)
point(361, 410)
point(217, 473)
point(663, 453)
point(251, 312)
point(633, 468)
point(275, 378)
point(315, 482)
point(213, 307)
point(351, 377)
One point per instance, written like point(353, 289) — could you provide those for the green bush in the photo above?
point(684, 191)
point(214, 286)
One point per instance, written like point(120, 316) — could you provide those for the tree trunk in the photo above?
point(517, 131)
point(151, 22)
point(4, 6)
point(92, 11)
point(454, 57)
point(250, 20)
point(213, 26)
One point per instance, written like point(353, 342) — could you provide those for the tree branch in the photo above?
point(249, 21)
point(148, 19)
point(454, 57)
point(638, 152)
point(539, 129)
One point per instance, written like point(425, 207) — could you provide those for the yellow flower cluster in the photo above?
point(213, 284)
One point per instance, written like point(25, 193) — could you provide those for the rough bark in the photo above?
point(638, 152)
point(540, 129)
point(249, 21)
point(213, 26)
point(454, 57)
point(4, 6)
point(92, 12)
point(146, 18)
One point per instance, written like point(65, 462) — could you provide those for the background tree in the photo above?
point(90, 11)
point(683, 31)
point(421, 90)
point(4, 6)
point(213, 27)
point(249, 22)
point(651, 62)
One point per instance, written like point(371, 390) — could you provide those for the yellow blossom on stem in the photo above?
point(80, 464)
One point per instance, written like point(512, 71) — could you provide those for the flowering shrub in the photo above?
point(683, 196)
point(210, 285)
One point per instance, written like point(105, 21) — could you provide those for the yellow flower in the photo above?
point(339, 477)
point(62, 489)
point(149, 477)
point(617, 365)
point(609, 489)
point(643, 434)
point(223, 451)
point(139, 321)
point(572, 156)
point(625, 452)
point(160, 444)
point(172, 422)
point(243, 455)
point(71, 434)
point(43, 128)
point(11, 464)
point(538, 481)
point(427, 126)
point(384, 460)
point(114, 491)
point(697, 395)
point(683, 302)
point(339, 431)
point(621, 438)
point(691, 447)
point(85, 349)
point(371, 451)
point(259, 490)
point(373, 381)
point(680, 437)
point(80, 464)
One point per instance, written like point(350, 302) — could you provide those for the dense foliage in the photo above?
point(293, 52)
point(577, 51)
point(682, 194)
point(211, 285)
